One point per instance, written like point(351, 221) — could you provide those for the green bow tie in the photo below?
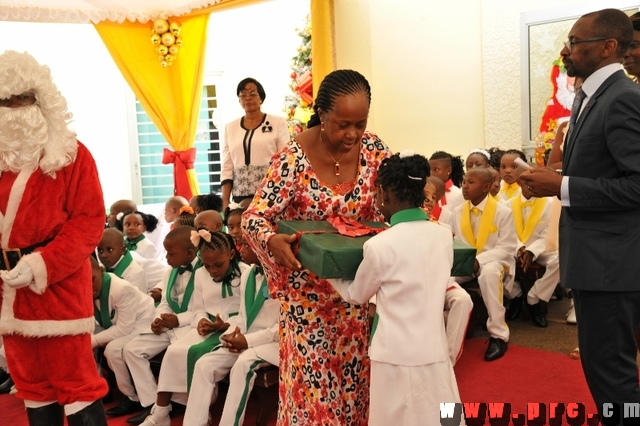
point(182, 269)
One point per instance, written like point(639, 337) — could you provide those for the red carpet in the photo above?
point(522, 376)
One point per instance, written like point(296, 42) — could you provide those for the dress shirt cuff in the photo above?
point(564, 192)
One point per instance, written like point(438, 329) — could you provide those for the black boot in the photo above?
point(92, 415)
point(49, 415)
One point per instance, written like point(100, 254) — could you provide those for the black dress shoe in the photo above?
point(139, 418)
point(515, 308)
point(6, 385)
point(124, 407)
point(537, 316)
point(497, 348)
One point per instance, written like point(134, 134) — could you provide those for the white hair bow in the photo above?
point(196, 236)
point(234, 206)
point(406, 153)
point(120, 215)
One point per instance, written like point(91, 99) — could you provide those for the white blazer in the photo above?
point(134, 311)
point(407, 267)
point(207, 297)
point(536, 243)
point(262, 335)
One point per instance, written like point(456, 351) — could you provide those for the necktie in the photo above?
point(475, 211)
point(527, 203)
point(182, 269)
point(575, 110)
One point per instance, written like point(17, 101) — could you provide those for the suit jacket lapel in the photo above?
point(569, 144)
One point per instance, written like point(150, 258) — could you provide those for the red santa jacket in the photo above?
point(68, 209)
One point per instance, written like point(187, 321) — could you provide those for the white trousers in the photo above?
point(113, 352)
point(137, 354)
point(490, 281)
point(544, 286)
point(173, 373)
point(457, 310)
point(410, 396)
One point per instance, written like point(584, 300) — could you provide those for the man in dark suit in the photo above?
point(600, 222)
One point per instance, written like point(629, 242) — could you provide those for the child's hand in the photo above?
point(526, 260)
point(156, 293)
point(170, 320)
point(204, 326)
point(156, 326)
point(235, 342)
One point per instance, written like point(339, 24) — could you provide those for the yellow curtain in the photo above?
point(322, 41)
point(170, 95)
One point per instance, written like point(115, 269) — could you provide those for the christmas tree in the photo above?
point(297, 106)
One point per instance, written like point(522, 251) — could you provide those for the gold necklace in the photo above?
point(336, 167)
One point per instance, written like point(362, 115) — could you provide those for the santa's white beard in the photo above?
point(23, 134)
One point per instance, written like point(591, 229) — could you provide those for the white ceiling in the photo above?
point(85, 11)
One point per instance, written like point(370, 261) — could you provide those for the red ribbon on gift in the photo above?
point(182, 161)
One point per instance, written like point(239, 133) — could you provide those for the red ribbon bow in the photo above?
point(182, 161)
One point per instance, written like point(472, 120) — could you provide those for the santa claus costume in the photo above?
point(51, 219)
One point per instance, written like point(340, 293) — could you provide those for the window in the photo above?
point(156, 179)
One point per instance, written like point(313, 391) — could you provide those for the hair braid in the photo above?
point(335, 84)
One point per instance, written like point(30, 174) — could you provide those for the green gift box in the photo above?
point(330, 255)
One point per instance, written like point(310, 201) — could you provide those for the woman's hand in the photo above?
point(280, 246)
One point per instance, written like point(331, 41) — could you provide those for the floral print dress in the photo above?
point(324, 369)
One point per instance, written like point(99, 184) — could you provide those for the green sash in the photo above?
point(124, 264)
point(187, 292)
point(101, 315)
point(133, 244)
point(212, 342)
point(253, 302)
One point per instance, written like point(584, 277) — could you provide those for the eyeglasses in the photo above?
point(570, 43)
point(245, 95)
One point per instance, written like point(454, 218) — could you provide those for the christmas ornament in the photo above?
point(164, 36)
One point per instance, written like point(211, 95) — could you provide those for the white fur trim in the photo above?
point(39, 269)
point(15, 198)
point(41, 328)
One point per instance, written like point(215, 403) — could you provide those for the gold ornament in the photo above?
point(169, 58)
point(179, 41)
point(161, 26)
point(168, 39)
point(164, 64)
point(173, 50)
point(155, 39)
point(161, 58)
point(175, 27)
point(163, 50)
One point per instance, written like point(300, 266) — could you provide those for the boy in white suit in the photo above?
point(531, 221)
point(115, 258)
point(487, 225)
point(172, 321)
point(121, 312)
point(250, 343)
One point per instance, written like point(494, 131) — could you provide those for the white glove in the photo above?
point(18, 277)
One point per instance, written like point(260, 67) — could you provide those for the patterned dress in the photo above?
point(324, 371)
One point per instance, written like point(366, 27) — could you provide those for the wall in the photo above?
point(241, 43)
point(425, 73)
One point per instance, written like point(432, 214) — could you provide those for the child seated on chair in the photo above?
point(216, 298)
point(172, 322)
point(250, 342)
point(121, 312)
point(115, 258)
point(487, 225)
point(133, 224)
point(531, 221)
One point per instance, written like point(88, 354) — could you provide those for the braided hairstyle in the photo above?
point(221, 241)
point(405, 177)
point(185, 217)
point(335, 84)
point(149, 220)
point(231, 212)
point(456, 164)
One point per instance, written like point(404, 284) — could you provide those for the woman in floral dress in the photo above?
point(328, 170)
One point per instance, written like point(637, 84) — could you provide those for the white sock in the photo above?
point(159, 412)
